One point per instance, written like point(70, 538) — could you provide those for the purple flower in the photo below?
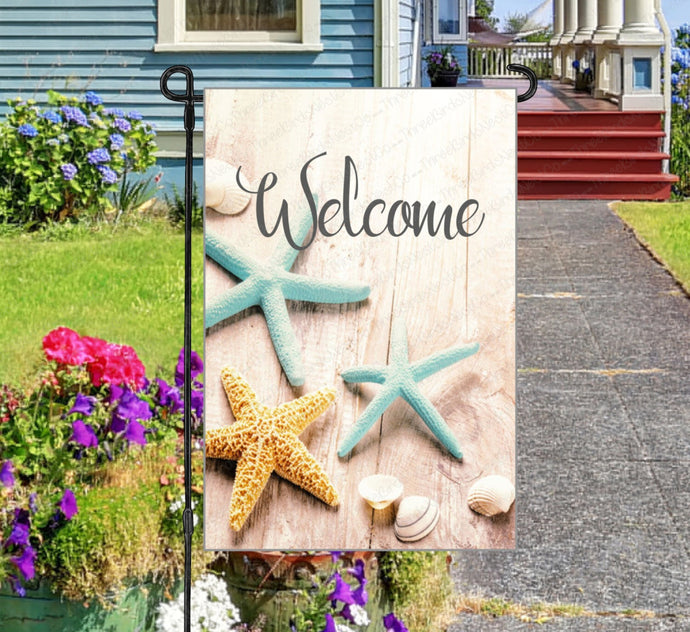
point(92, 99)
point(108, 176)
point(84, 434)
point(358, 572)
point(330, 624)
point(393, 624)
point(116, 141)
point(134, 115)
point(335, 556)
point(68, 170)
point(19, 535)
point(98, 155)
point(17, 585)
point(32, 502)
point(21, 516)
point(342, 591)
point(197, 403)
point(75, 115)
point(68, 504)
point(135, 433)
point(196, 367)
point(122, 124)
point(83, 404)
point(360, 595)
point(114, 112)
point(130, 407)
point(51, 116)
point(6, 474)
point(27, 130)
point(169, 396)
point(25, 562)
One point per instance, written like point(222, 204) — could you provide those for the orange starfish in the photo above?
point(263, 440)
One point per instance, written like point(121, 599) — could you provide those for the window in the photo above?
point(446, 21)
point(642, 73)
point(242, 25)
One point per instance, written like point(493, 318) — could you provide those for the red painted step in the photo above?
point(589, 119)
point(591, 154)
point(621, 186)
point(590, 162)
point(588, 140)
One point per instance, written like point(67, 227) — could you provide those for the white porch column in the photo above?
point(638, 22)
point(556, 53)
point(566, 43)
point(586, 21)
point(609, 20)
point(569, 21)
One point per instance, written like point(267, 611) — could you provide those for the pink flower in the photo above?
point(65, 346)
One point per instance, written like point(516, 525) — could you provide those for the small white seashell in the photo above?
point(380, 490)
point(417, 516)
point(222, 193)
point(491, 495)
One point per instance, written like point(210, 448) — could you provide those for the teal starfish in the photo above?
point(269, 285)
point(399, 379)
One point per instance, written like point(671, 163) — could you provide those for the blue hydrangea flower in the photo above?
point(116, 141)
point(108, 176)
point(74, 115)
point(53, 141)
point(114, 112)
point(92, 99)
point(122, 124)
point(27, 130)
point(68, 170)
point(51, 116)
point(135, 116)
point(98, 155)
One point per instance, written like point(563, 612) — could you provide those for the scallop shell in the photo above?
point(491, 495)
point(380, 490)
point(417, 516)
point(222, 193)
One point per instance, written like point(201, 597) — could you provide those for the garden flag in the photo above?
point(360, 319)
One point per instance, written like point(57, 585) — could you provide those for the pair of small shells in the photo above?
point(491, 495)
point(222, 192)
point(416, 516)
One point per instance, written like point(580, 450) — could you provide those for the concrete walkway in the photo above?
point(603, 474)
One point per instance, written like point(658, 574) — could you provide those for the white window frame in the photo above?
point(446, 38)
point(173, 35)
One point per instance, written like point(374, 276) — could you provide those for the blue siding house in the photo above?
point(119, 49)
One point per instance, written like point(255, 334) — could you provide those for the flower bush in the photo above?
point(680, 113)
point(212, 608)
point(439, 61)
point(338, 604)
point(91, 407)
point(61, 161)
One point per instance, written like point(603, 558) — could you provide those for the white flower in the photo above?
point(359, 615)
point(212, 609)
point(339, 627)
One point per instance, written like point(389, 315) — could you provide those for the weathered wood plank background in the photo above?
point(442, 145)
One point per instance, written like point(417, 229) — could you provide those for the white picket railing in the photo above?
point(492, 61)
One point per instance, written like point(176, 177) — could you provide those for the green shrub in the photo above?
point(420, 587)
point(58, 163)
point(680, 112)
point(176, 207)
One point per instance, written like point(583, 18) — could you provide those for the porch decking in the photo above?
point(572, 146)
point(551, 96)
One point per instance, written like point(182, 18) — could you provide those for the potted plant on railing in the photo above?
point(443, 68)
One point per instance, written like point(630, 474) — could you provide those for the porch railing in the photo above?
point(492, 61)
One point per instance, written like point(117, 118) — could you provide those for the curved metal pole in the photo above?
point(533, 82)
point(189, 99)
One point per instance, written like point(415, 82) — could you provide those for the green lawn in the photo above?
point(126, 286)
point(665, 230)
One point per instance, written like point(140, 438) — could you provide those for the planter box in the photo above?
point(44, 611)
